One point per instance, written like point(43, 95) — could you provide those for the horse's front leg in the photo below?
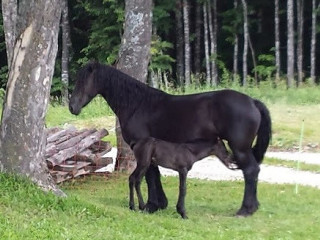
point(156, 196)
point(182, 193)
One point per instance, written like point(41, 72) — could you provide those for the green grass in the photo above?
point(97, 209)
point(315, 168)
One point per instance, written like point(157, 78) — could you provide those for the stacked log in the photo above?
point(71, 153)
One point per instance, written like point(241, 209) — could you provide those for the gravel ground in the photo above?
point(212, 169)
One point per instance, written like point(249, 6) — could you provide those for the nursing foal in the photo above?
point(176, 156)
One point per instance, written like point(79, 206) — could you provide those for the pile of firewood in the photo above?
point(71, 153)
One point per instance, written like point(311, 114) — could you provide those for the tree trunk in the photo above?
point(22, 133)
point(66, 43)
point(245, 43)
point(179, 43)
point(290, 44)
point(187, 52)
point(134, 56)
point(206, 44)
point(9, 14)
point(213, 40)
point(197, 46)
point(313, 43)
point(235, 48)
point(277, 38)
point(300, 7)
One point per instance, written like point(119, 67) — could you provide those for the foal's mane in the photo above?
point(123, 91)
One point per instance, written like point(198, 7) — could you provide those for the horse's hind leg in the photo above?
point(132, 180)
point(250, 169)
point(138, 187)
point(182, 193)
point(156, 196)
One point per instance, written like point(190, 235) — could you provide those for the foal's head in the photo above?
point(86, 88)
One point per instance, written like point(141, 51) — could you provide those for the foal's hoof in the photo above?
point(184, 216)
point(132, 208)
point(151, 207)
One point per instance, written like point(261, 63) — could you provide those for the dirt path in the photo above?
point(212, 169)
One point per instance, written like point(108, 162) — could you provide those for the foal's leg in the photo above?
point(156, 196)
point(250, 169)
point(182, 193)
point(138, 186)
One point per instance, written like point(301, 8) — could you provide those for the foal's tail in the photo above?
point(264, 132)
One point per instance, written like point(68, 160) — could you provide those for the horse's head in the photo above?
point(85, 89)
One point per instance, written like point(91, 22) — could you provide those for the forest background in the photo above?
point(198, 43)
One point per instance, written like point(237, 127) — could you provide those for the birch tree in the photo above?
point(290, 44)
point(277, 38)
point(206, 44)
point(300, 7)
point(313, 42)
point(245, 43)
point(134, 56)
point(66, 43)
point(33, 33)
point(187, 51)
point(213, 39)
point(235, 48)
point(179, 42)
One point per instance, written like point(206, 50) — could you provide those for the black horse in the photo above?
point(144, 111)
point(176, 156)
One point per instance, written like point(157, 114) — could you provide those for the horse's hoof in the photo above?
point(184, 216)
point(247, 211)
point(132, 208)
point(163, 203)
point(151, 207)
point(142, 207)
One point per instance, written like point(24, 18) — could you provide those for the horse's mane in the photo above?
point(124, 91)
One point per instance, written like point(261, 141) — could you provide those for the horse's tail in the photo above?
point(264, 132)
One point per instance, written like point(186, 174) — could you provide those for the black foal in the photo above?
point(178, 157)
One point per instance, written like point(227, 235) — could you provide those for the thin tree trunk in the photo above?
point(66, 43)
point(22, 132)
point(9, 14)
point(245, 43)
point(213, 40)
point(134, 56)
point(253, 55)
point(290, 44)
point(313, 43)
point(235, 48)
point(179, 43)
point(187, 52)
point(197, 46)
point(277, 39)
point(206, 44)
point(300, 7)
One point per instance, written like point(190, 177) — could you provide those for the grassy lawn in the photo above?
point(97, 209)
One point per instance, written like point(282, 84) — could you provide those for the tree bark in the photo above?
point(134, 56)
point(179, 43)
point(213, 40)
point(245, 43)
point(9, 14)
point(197, 46)
point(235, 48)
point(277, 38)
point(313, 43)
point(187, 52)
point(300, 7)
point(206, 44)
point(290, 44)
point(66, 43)
point(22, 132)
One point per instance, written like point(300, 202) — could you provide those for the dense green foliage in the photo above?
point(96, 29)
point(97, 209)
